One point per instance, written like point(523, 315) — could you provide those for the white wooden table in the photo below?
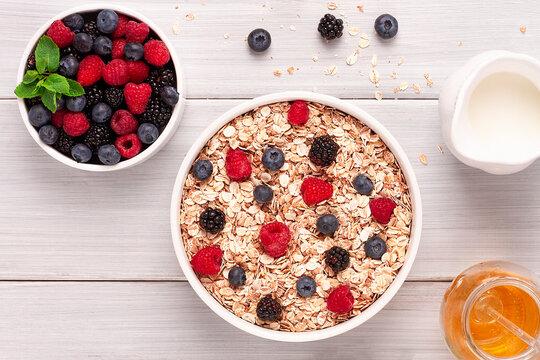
point(87, 266)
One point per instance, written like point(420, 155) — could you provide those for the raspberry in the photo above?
point(58, 118)
point(315, 190)
point(136, 32)
point(128, 145)
point(138, 71)
point(323, 151)
point(137, 96)
point(268, 308)
point(116, 73)
point(118, 48)
point(207, 261)
point(121, 28)
point(382, 209)
point(237, 165)
point(75, 124)
point(340, 300)
point(156, 53)
point(275, 237)
point(60, 34)
point(90, 70)
point(298, 113)
point(123, 122)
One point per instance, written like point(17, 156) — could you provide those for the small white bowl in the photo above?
point(316, 334)
point(167, 133)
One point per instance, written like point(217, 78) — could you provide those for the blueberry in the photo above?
point(48, 134)
point(202, 169)
point(327, 224)
point(306, 286)
point(169, 95)
point(363, 184)
point(109, 155)
point(81, 153)
point(148, 133)
point(375, 248)
point(263, 194)
point(83, 42)
point(76, 104)
point(259, 40)
point(237, 276)
point(273, 159)
point(102, 46)
point(386, 26)
point(107, 21)
point(133, 51)
point(60, 103)
point(74, 21)
point(101, 112)
point(69, 66)
point(39, 115)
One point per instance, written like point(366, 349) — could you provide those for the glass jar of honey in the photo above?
point(492, 312)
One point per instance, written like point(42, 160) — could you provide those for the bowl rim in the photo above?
point(341, 105)
point(170, 128)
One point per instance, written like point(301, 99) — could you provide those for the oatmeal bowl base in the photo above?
point(341, 326)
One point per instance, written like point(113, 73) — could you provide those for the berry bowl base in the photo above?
point(347, 108)
point(168, 131)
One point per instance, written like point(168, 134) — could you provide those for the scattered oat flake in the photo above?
point(332, 70)
point(176, 28)
point(190, 17)
point(441, 150)
point(374, 76)
point(353, 31)
point(523, 29)
point(226, 36)
point(364, 41)
point(416, 88)
point(203, 3)
point(360, 8)
point(429, 81)
point(378, 95)
point(278, 72)
point(332, 5)
point(400, 61)
point(315, 58)
point(396, 90)
point(290, 70)
point(403, 86)
point(351, 60)
point(292, 28)
point(314, 90)
point(374, 60)
point(459, 43)
point(423, 159)
point(394, 74)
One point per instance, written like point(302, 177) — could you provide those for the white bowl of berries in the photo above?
point(100, 88)
point(296, 216)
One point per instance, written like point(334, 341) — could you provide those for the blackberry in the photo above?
point(157, 112)
point(70, 50)
point(94, 94)
point(65, 143)
point(330, 27)
point(323, 151)
point(31, 62)
point(97, 135)
point(159, 78)
point(268, 309)
point(212, 220)
point(114, 96)
point(32, 101)
point(91, 29)
point(337, 258)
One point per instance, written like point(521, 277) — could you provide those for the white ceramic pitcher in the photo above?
point(453, 102)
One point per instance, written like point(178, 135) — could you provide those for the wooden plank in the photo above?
point(429, 32)
point(167, 321)
point(59, 223)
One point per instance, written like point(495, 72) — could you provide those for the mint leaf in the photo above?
point(48, 98)
point(47, 55)
point(25, 91)
point(56, 83)
point(30, 76)
point(75, 89)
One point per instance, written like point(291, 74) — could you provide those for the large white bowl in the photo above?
point(167, 133)
point(316, 334)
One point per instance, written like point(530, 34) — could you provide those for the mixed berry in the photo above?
point(275, 237)
point(100, 87)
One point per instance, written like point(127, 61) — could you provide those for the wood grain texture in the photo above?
point(167, 321)
point(59, 223)
point(215, 67)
